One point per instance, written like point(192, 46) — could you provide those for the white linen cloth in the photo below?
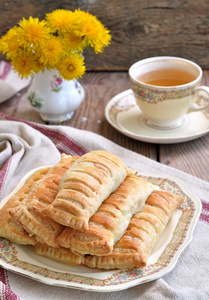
point(10, 81)
point(25, 145)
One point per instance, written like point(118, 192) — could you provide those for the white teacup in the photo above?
point(166, 89)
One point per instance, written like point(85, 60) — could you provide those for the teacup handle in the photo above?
point(196, 106)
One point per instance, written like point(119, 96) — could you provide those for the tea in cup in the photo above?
point(166, 89)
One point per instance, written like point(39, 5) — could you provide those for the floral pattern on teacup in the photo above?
point(154, 95)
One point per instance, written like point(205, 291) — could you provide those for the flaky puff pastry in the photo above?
point(110, 221)
point(134, 248)
point(10, 228)
point(90, 180)
point(30, 213)
point(60, 254)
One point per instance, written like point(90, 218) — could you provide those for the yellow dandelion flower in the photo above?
point(50, 52)
point(60, 20)
point(80, 14)
point(92, 31)
point(103, 40)
point(56, 42)
point(86, 26)
point(34, 31)
point(71, 67)
point(9, 44)
point(72, 41)
point(38, 66)
point(24, 64)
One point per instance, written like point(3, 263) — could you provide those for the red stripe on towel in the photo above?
point(3, 174)
point(205, 212)
point(62, 141)
point(5, 292)
point(5, 69)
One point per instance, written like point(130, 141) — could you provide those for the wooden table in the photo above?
point(191, 157)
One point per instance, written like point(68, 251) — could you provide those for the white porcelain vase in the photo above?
point(53, 97)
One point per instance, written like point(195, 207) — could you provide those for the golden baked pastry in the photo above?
point(111, 220)
point(9, 227)
point(60, 254)
point(134, 248)
point(30, 213)
point(85, 186)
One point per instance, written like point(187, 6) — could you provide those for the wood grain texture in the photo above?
point(139, 28)
point(191, 157)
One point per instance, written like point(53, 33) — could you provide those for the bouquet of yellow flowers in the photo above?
point(57, 42)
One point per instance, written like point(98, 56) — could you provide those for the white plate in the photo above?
point(10, 82)
point(124, 115)
point(165, 254)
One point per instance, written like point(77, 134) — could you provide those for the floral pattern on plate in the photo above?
point(118, 279)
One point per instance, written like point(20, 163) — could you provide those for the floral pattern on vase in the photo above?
point(54, 98)
point(56, 83)
point(34, 99)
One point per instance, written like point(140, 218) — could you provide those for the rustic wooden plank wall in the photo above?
point(139, 28)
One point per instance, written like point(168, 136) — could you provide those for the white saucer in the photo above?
point(124, 115)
